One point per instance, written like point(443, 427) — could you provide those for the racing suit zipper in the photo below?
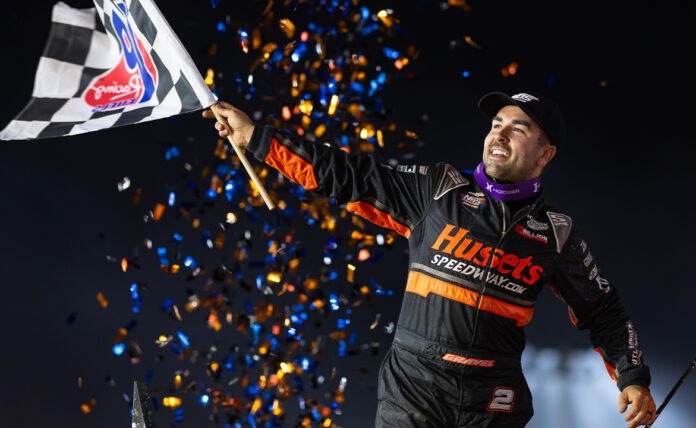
point(489, 264)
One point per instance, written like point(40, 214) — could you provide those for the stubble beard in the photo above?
point(503, 174)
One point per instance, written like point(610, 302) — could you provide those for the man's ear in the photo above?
point(547, 153)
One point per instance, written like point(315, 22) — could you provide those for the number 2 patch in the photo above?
point(502, 401)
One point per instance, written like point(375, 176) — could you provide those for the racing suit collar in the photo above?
point(507, 192)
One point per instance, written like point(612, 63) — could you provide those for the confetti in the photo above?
point(244, 272)
point(102, 300)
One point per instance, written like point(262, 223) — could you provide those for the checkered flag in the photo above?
point(124, 68)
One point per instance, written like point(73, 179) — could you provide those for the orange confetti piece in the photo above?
point(333, 104)
point(287, 114)
point(351, 273)
point(124, 264)
point(157, 213)
point(209, 78)
point(87, 407)
point(287, 27)
point(136, 196)
point(120, 335)
point(274, 277)
point(256, 406)
point(102, 300)
point(462, 4)
point(172, 402)
point(364, 254)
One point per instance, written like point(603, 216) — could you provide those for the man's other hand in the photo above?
point(642, 410)
point(242, 127)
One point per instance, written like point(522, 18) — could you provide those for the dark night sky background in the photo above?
point(624, 176)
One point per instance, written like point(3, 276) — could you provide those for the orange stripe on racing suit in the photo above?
point(610, 368)
point(422, 284)
point(571, 315)
point(290, 165)
point(380, 218)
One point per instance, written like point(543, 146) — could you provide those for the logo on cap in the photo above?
point(524, 97)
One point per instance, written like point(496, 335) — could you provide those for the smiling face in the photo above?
point(516, 148)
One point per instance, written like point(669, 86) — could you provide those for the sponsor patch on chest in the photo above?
point(473, 199)
point(534, 224)
point(531, 234)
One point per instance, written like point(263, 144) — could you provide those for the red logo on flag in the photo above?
point(133, 80)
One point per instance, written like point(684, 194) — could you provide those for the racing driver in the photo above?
point(482, 245)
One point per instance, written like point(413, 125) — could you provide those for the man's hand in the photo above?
point(242, 127)
point(642, 405)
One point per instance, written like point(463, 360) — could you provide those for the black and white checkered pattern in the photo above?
point(80, 49)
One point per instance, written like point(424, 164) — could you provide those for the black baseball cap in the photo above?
point(542, 110)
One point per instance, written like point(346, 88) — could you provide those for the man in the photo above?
point(481, 245)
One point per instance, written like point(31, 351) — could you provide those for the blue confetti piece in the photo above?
point(465, 74)
point(176, 349)
point(71, 318)
point(211, 193)
point(131, 325)
point(341, 348)
point(183, 339)
point(134, 290)
point(391, 53)
point(162, 252)
point(118, 348)
point(179, 414)
point(148, 376)
point(367, 29)
point(229, 363)
point(168, 303)
point(352, 337)
point(256, 328)
point(249, 361)
point(172, 152)
point(364, 13)
point(221, 26)
point(190, 262)
point(204, 399)
point(178, 238)
point(305, 364)
point(333, 300)
point(357, 87)
point(172, 199)
point(214, 3)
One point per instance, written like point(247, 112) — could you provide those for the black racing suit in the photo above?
point(475, 271)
